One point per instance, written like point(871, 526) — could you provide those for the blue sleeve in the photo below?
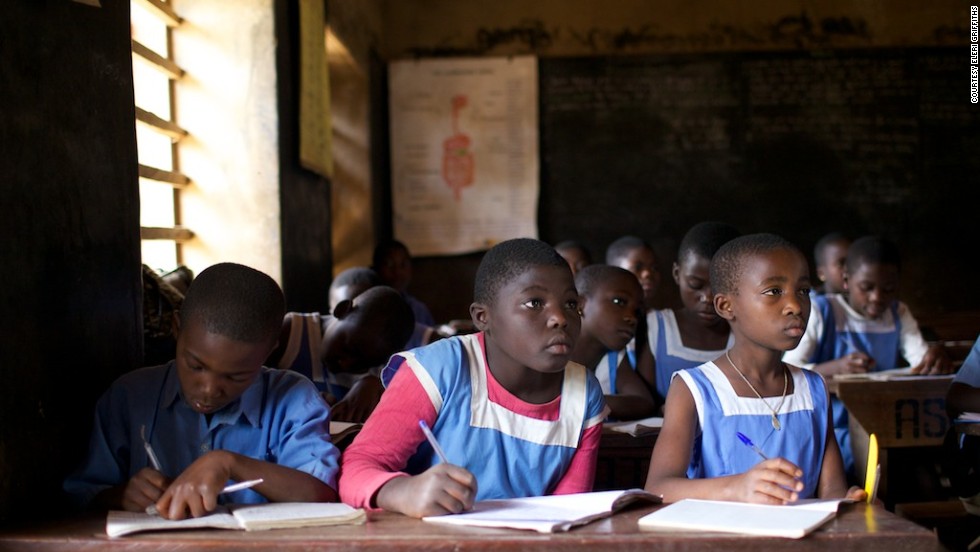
point(107, 460)
point(969, 373)
point(302, 423)
point(596, 400)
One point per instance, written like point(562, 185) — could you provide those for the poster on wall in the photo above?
point(464, 152)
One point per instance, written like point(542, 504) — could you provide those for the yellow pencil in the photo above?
point(871, 476)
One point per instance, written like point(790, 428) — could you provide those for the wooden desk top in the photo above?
point(857, 527)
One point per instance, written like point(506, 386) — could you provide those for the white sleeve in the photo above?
point(912, 345)
point(801, 355)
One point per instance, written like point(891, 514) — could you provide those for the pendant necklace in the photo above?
point(775, 420)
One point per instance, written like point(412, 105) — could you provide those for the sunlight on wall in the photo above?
point(227, 102)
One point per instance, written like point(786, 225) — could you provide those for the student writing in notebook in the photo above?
point(761, 286)
point(866, 329)
point(174, 435)
point(514, 416)
point(695, 333)
point(611, 301)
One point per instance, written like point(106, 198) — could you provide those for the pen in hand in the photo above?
point(154, 461)
point(152, 508)
point(748, 442)
point(432, 441)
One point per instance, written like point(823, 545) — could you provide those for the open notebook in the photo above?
point(791, 521)
point(547, 514)
point(252, 517)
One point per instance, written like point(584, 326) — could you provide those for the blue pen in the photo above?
point(432, 441)
point(748, 442)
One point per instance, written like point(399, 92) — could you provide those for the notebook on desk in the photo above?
point(789, 521)
point(547, 514)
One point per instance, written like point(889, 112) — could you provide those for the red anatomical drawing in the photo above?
point(457, 159)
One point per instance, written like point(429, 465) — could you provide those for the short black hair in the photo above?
point(826, 241)
point(729, 260)
point(872, 250)
point(704, 239)
point(356, 276)
point(383, 249)
point(235, 301)
point(509, 259)
point(388, 314)
point(589, 278)
point(574, 244)
point(622, 245)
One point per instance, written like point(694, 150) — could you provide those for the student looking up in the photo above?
point(761, 286)
point(514, 416)
point(611, 302)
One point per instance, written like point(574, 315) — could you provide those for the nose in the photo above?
point(793, 305)
point(209, 387)
point(706, 296)
point(557, 318)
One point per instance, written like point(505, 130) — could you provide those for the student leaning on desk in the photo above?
point(173, 436)
point(866, 329)
point(515, 417)
point(722, 417)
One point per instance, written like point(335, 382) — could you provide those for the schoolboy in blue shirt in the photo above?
point(212, 415)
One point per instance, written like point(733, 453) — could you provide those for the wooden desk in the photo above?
point(858, 527)
point(623, 460)
point(902, 413)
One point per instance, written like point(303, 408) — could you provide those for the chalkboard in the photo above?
point(802, 143)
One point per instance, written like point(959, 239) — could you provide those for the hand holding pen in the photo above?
point(772, 481)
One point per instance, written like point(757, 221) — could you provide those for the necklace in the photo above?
point(775, 420)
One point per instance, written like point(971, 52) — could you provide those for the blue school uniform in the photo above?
point(722, 415)
point(669, 350)
point(845, 333)
point(529, 455)
point(280, 418)
point(606, 370)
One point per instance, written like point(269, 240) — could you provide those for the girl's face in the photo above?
point(613, 310)
point(872, 288)
point(532, 323)
point(772, 303)
point(830, 269)
point(642, 262)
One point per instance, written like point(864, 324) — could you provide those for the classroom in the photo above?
point(863, 124)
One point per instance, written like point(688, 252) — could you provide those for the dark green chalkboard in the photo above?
point(862, 141)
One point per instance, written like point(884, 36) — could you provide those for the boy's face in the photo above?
point(641, 262)
point(575, 258)
point(830, 268)
point(396, 269)
point(772, 304)
point(532, 323)
point(215, 370)
point(612, 311)
point(692, 275)
point(872, 288)
point(350, 343)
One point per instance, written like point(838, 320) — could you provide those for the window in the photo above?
point(157, 134)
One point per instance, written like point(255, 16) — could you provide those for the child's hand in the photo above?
point(196, 489)
point(441, 489)
point(773, 481)
point(936, 361)
point(858, 494)
point(143, 489)
point(855, 363)
point(359, 402)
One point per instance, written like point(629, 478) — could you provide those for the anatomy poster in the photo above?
point(464, 152)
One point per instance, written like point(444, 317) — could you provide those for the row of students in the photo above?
point(515, 415)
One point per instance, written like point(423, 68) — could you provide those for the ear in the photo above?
point(846, 278)
point(480, 315)
point(582, 300)
point(343, 308)
point(821, 274)
point(723, 306)
point(676, 272)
